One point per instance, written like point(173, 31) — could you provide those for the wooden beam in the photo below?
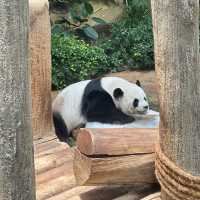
point(120, 141)
point(55, 186)
point(76, 191)
point(92, 192)
point(139, 191)
point(155, 196)
point(102, 193)
point(47, 162)
point(114, 170)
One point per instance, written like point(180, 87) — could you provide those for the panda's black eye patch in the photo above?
point(135, 103)
point(145, 98)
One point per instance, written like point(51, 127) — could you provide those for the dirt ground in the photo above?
point(148, 82)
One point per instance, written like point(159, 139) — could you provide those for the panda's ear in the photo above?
point(118, 93)
point(138, 83)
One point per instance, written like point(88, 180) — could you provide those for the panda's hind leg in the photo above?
point(60, 127)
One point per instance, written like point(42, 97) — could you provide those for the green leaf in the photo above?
point(90, 32)
point(57, 28)
point(60, 21)
point(66, 34)
point(99, 20)
point(89, 8)
point(83, 11)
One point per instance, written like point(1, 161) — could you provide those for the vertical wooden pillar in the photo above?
point(40, 59)
point(16, 148)
point(176, 39)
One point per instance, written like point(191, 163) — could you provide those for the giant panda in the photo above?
point(111, 100)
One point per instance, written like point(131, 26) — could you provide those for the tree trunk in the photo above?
point(176, 40)
point(16, 148)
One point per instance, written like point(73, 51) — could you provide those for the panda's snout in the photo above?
point(142, 109)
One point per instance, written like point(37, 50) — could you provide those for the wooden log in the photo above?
point(73, 192)
point(16, 147)
point(40, 60)
point(155, 196)
point(120, 141)
point(45, 139)
point(114, 170)
point(91, 192)
point(55, 186)
point(54, 173)
point(54, 148)
point(48, 162)
point(131, 196)
point(179, 82)
point(139, 191)
point(39, 149)
point(102, 193)
point(176, 39)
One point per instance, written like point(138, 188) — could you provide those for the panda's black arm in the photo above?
point(114, 117)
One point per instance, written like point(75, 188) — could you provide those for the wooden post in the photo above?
point(40, 59)
point(16, 148)
point(176, 39)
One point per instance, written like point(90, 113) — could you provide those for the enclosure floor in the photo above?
point(55, 179)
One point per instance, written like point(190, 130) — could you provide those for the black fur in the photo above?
point(135, 103)
point(60, 127)
point(138, 83)
point(98, 106)
point(118, 93)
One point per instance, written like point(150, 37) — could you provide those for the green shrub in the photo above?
point(131, 41)
point(136, 11)
point(74, 60)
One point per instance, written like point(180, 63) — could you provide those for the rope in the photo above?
point(177, 183)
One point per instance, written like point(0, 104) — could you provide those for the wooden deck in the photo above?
point(55, 179)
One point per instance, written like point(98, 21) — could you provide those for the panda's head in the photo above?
point(130, 98)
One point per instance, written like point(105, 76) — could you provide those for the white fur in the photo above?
point(70, 109)
point(68, 101)
point(132, 91)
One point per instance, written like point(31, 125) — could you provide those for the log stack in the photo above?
point(115, 156)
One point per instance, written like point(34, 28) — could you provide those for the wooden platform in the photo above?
point(55, 179)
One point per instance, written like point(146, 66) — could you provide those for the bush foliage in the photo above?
point(130, 45)
point(74, 60)
point(131, 41)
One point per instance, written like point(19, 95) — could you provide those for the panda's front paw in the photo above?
point(129, 119)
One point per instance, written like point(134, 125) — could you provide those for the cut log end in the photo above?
point(85, 141)
point(82, 167)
